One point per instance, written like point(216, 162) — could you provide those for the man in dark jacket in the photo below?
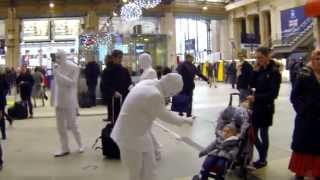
point(25, 83)
point(115, 83)
point(92, 72)
point(232, 73)
point(4, 89)
point(244, 77)
point(188, 71)
point(266, 81)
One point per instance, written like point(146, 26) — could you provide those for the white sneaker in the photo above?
point(81, 150)
point(61, 154)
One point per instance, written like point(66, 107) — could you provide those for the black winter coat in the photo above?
point(115, 78)
point(92, 72)
point(267, 84)
point(4, 89)
point(25, 82)
point(305, 97)
point(245, 76)
point(188, 71)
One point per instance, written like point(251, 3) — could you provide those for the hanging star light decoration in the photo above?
point(88, 41)
point(130, 12)
point(147, 4)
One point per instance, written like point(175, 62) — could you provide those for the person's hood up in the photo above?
point(170, 84)
point(145, 61)
point(61, 56)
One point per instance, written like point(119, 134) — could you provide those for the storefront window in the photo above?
point(40, 37)
point(2, 43)
point(192, 37)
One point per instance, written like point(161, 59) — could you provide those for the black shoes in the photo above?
point(260, 164)
point(299, 177)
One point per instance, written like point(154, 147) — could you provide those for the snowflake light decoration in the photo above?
point(147, 4)
point(130, 12)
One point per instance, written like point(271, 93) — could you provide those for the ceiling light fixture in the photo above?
point(147, 3)
point(130, 12)
point(51, 5)
point(205, 8)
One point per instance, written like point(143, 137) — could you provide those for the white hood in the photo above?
point(170, 84)
point(61, 56)
point(145, 61)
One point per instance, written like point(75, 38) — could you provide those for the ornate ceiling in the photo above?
point(68, 8)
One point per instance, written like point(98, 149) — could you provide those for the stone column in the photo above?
point(12, 39)
point(225, 46)
point(91, 25)
point(215, 30)
point(168, 27)
point(263, 29)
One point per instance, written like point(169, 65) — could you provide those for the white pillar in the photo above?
point(168, 27)
point(225, 46)
point(215, 30)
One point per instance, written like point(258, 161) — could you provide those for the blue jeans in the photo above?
point(211, 162)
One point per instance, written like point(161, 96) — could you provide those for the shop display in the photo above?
point(66, 29)
point(35, 30)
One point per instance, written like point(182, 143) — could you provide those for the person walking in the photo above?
point(65, 100)
point(25, 83)
point(305, 98)
point(115, 83)
point(37, 91)
point(244, 78)
point(92, 72)
point(266, 81)
point(232, 73)
point(144, 104)
point(188, 71)
point(4, 89)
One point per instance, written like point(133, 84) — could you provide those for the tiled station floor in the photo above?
point(31, 144)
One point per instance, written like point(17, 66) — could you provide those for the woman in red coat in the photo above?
point(305, 97)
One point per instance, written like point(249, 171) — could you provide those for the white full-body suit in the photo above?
point(65, 100)
point(145, 63)
point(132, 131)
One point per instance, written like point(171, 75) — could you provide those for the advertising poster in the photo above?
point(35, 30)
point(190, 44)
point(66, 29)
point(293, 21)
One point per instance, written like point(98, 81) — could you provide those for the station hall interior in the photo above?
point(84, 38)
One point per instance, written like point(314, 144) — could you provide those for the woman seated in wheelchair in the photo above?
point(219, 154)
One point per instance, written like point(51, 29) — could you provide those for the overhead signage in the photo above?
point(293, 22)
point(190, 44)
point(35, 30)
point(66, 29)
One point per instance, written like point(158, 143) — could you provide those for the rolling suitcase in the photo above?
point(109, 148)
point(18, 111)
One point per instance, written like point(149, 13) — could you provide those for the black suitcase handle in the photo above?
point(113, 97)
point(231, 98)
